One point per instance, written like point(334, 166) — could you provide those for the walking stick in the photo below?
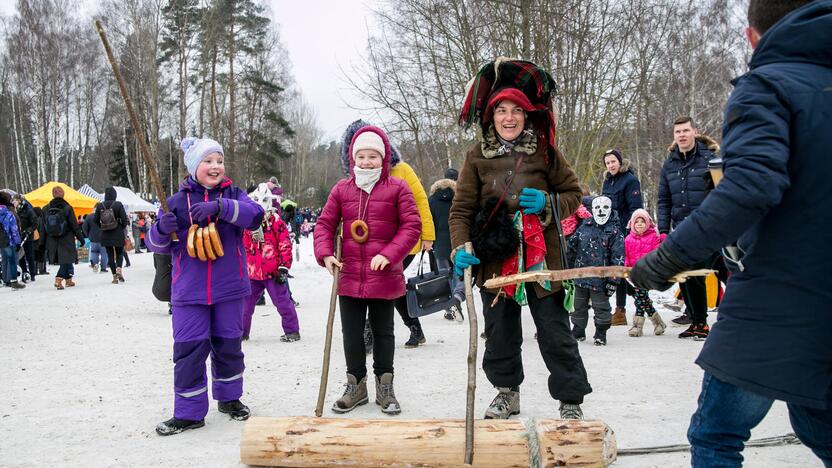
point(333, 298)
point(137, 128)
point(472, 362)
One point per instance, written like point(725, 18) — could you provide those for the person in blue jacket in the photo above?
point(772, 338)
point(624, 189)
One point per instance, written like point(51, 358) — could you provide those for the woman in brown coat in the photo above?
point(517, 166)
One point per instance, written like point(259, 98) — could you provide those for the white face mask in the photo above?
point(263, 196)
point(601, 210)
point(366, 179)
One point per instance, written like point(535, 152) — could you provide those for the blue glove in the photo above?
point(533, 201)
point(463, 260)
point(203, 210)
point(167, 224)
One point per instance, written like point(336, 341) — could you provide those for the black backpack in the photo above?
point(107, 218)
point(55, 222)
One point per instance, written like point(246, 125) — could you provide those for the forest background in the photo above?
point(624, 68)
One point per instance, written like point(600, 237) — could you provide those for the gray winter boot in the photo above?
point(571, 411)
point(658, 324)
point(354, 395)
point(385, 396)
point(638, 325)
point(504, 405)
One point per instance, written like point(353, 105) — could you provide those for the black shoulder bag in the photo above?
point(429, 292)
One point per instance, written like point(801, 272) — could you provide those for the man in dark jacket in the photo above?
point(772, 339)
point(28, 224)
point(61, 231)
point(682, 188)
point(98, 254)
point(622, 187)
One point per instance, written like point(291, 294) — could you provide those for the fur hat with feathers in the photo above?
point(346, 139)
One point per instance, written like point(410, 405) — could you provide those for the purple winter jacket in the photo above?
point(394, 227)
point(226, 278)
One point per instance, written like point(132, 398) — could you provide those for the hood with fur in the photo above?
point(443, 184)
point(346, 145)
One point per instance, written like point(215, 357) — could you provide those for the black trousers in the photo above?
point(354, 313)
point(503, 363)
point(115, 258)
point(401, 302)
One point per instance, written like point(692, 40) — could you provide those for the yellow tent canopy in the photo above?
point(42, 195)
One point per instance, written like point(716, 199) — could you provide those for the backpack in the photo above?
point(107, 219)
point(55, 222)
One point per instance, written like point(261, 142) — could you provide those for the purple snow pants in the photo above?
point(200, 330)
point(280, 298)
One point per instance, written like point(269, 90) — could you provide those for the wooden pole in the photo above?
point(344, 442)
point(134, 121)
point(577, 273)
point(330, 320)
point(472, 362)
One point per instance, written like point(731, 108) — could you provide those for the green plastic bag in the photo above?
point(569, 296)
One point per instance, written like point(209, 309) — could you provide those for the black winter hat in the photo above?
point(615, 153)
point(110, 194)
point(451, 173)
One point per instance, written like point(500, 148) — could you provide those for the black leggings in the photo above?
point(115, 257)
point(353, 317)
point(401, 302)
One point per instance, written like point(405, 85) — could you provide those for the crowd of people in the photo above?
point(517, 200)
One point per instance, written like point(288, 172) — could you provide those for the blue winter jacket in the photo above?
point(624, 190)
point(596, 245)
point(8, 223)
point(682, 185)
point(773, 333)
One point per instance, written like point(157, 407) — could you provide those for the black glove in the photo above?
point(655, 269)
point(609, 288)
point(282, 274)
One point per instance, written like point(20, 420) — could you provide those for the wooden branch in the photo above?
point(472, 362)
point(333, 442)
point(578, 273)
point(330, 320)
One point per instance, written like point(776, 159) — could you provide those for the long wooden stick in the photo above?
point(134, 121)
point(330, 320)
point(472, 362)
point(578, 273)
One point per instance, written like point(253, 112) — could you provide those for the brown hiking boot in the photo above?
point(70, 283)
point(658, 324)
point(354, 395)
point(385, 396)
point(118, 274)
point(59, 282)
point(619, 317)
point(115, 279)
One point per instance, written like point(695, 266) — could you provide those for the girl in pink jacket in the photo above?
point(268, 259)
point(643, 239)
point(380, 225)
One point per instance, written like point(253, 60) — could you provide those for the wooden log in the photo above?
point(332, 442)
point(578, 273)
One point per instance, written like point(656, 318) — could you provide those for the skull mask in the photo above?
point(601, 210)
point(263, 196)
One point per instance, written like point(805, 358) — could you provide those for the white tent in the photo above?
point(132, 202)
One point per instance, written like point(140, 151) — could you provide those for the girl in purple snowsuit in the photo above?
point(207, 296)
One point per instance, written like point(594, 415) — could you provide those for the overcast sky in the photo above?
point(323, 37)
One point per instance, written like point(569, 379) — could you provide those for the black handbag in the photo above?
point(161, 280)
point(429, 292)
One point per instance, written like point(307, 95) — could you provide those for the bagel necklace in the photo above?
point(359, 231)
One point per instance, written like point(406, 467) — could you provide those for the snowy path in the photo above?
point(88, 375)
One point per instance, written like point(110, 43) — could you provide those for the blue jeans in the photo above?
point(66, 271)
point(9, 258)
point(98, 255)
point(726, 414)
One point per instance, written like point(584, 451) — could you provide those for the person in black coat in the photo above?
point(28, 220)
point(683, 184)
point(772, 338)
point(60, 249)
point(623, 188)
point(441, 197)
point(112, 237)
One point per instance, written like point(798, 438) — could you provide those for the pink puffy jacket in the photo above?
point(394, 227)
point(637, 246)
point(263, 259)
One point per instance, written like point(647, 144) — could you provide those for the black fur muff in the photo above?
point(497, 239)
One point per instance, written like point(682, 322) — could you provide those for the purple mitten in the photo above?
point(203, 210)
point(167, 224)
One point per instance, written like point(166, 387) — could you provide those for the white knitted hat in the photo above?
point(368, 140)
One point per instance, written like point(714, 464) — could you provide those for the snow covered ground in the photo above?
point(87, 375)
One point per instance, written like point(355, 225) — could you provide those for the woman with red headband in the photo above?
point(513, 188)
